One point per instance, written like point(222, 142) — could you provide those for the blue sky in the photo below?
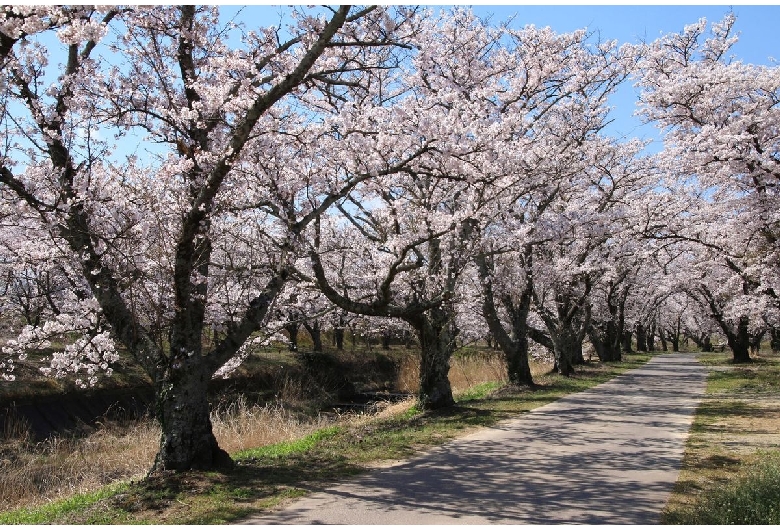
point(757, 25)
point(759, 37)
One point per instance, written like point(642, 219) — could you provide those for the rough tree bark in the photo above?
point(187, 440)
point(626, 341)
point(292, 329)
point(567, 326)
point(437, 344)
point(606, 335)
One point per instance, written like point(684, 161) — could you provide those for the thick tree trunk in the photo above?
point(338, 338)
point(774, 341)
point(292, 330)
point(577, 356)
point(515, 349)
point(597, 341)
point(739, 342)
point(626, 341)
point(706, 343)
point(315, 332)
point(606, 342)
point(187, 440)
point(565, 348)
point(755, 342)
point(740, 350)
point(674, 338)
point(437, 345)
point(517, 364)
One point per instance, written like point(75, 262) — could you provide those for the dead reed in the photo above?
point(35, 473)
point(466, 371)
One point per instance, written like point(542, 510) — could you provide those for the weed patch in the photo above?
point(752, 497)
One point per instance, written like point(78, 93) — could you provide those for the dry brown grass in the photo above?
point(34, 473)
point(238, 425)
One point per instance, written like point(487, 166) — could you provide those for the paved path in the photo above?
point(609, 455)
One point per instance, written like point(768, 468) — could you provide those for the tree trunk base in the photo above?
point(211, 458)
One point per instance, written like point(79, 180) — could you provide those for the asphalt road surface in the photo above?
point(609, 455)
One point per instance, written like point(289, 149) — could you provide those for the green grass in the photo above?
point(479, 391)
point(286, 449)
point(753, 497)
point(731, 467)
point(60, 509)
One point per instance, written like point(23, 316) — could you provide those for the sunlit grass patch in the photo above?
point(59, 509)
point(478, 391)
point(282, 449)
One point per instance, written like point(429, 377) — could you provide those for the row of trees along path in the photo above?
point(181, 187)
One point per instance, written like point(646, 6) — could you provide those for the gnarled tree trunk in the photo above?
point(626, 341)
point(774, 341)
point(315, 332)
point(514, 345)
point(437, 344)
point(187, 440)
point(292, 331)
point(739, 342)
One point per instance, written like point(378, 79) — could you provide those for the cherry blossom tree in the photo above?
point(230, 130)
point(407, 241)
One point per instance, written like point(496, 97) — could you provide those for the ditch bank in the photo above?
point(338, 385)
point(74, 412)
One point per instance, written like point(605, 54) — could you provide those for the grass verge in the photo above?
point(60, 509)
point(731, 467)
point(270, 475)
